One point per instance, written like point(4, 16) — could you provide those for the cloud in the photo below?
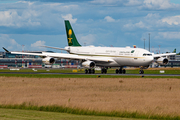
point(168, 35)
point(8, 42)
point(131, 26)
point(11, 18)
point(133, 3)
point(69, 17)
point(87, 40)
point(28, 2)
point(38, 44)
point(158, 4)
point(149, 22)
point(109, 19)
point(109, 2)
point(57, 1)
point(117, 2)
point(172, 20)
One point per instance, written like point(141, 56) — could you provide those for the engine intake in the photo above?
point(89, 64)
point(48, 60)
point(162, 61)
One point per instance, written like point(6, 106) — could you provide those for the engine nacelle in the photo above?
point(48, 60)
point(89, 64)
point(162, 61)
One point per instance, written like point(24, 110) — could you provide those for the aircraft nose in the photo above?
point(151, 59)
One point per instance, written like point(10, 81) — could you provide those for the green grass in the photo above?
point(16, 114)
point(136, 71)
point(92, 113)
point(81, 76)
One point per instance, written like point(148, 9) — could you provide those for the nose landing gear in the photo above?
point(141, 71)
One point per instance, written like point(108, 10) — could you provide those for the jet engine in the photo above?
point(48, 60)
point(89, 64)
point(162, 61)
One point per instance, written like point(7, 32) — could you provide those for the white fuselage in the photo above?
point(121, 56)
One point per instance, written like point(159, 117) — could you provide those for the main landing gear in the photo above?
point(104, 70)
point(89, 71)
point(120, 71)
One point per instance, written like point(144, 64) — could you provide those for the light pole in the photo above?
point(144, 43)
point(149, 42)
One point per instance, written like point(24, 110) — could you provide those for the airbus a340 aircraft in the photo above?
point(104, 57)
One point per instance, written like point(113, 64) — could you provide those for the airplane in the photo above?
point(104, 57)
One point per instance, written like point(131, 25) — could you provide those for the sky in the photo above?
point(27, 24)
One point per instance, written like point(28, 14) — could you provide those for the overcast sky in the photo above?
point(117, 23)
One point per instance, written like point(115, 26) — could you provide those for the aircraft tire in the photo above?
point(90, 71)
point(103, 71)
point(120, 71)
point(124, 71)
point(117, 71)
point(93, 71)
point(86, 71)
point(141, 72)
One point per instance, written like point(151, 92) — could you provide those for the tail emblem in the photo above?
point(69, 38)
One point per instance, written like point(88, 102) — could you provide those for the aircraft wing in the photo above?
point(56, 48)
point(163, 55)
point(67, 56)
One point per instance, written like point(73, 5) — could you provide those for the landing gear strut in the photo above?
point(89, 71)
point(120, 71)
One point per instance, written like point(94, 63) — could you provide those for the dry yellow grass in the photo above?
point(145, 95)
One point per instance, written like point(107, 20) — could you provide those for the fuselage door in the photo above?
point(136, 54)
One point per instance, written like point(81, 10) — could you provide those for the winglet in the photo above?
point(6, 50)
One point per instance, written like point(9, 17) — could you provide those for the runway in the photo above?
point(88, 74)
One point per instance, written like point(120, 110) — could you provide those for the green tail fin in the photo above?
point(72, 41)
point(174, 51)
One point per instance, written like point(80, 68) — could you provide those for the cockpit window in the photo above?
point(147, 54)
point(132, 51)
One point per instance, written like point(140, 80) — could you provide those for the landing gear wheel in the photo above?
point(117, 71)
point(124, 71)
point(86, 71)
point(93, 71)
point(89, 71)
point(120, 71)
point(103, 70)
point(141, 72)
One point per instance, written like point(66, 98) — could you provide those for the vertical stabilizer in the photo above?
point(174, 51)
point(72, 41)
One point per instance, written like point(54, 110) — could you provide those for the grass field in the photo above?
point(15, 114)
point(96, 95)
point(121, 97)
point(128, 71)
